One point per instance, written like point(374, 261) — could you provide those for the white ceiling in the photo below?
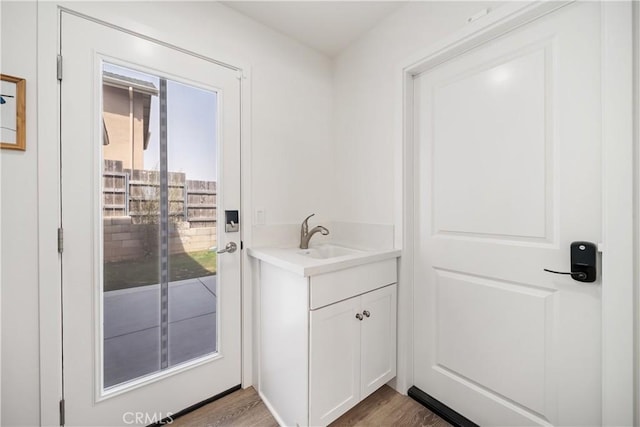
point(327, 26)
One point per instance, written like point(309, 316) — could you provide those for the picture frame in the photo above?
point(13, 113)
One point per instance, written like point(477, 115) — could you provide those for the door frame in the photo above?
point(49, 190)
point(619, 386)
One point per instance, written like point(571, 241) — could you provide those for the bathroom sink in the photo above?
point(328, 251)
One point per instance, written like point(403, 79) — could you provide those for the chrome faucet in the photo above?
point(305, 234)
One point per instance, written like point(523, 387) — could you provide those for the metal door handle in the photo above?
point(359, 316)
point(366, 313)
point(583, 262)
point(230, 248)
point(577, 275)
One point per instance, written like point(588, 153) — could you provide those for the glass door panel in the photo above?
point(192, 161)
point(159, 213)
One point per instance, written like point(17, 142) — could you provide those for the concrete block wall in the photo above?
point(124, 240)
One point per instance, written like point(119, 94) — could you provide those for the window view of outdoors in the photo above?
point(159, 212)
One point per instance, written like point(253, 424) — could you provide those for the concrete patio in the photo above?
point(132, 327)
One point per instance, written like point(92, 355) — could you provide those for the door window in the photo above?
point(159, 159)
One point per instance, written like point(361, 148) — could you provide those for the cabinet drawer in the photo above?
point(336, 286)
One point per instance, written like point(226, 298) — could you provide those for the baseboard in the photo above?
point(443, 411)
point(173, 417)
point(271, 409)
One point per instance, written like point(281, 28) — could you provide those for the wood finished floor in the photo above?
point(242, 408)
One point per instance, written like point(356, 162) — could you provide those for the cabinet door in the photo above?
point(334, 371)
point(378, 340)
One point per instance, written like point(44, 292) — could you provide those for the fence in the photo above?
point(136, 193)
point(131, 212)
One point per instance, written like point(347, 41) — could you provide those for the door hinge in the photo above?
point(62, 412)
point(241, 245)
point(60, 240)
point(59, 68)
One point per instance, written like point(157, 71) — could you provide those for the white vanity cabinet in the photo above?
point(352, 352)
point(317, 359)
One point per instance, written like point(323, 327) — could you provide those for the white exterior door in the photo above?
point(508, 174)
point(150, 162)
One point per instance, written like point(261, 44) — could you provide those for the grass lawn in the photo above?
point(146, 271)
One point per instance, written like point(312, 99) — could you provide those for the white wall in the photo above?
point(291, 114)
point(365, 105)
point(19, 231)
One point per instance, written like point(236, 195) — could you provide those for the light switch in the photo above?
point(260, 216)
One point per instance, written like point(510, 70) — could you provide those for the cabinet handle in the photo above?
point(366, 313)
point(359, 316)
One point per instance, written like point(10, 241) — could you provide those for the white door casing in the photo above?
point(496, 338)
point(81, 127)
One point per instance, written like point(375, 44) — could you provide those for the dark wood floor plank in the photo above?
point(386, 407)
point(244, 408)
point(241, 408)
point(368, 410)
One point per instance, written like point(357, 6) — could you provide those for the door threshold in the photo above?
point(173, 417)
point(449, 415)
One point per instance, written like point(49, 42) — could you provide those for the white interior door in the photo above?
point(150, 162)
point(508, 174)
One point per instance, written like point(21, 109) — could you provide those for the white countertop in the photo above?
point(290, 259)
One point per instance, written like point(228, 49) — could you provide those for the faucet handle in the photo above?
point(307, 218)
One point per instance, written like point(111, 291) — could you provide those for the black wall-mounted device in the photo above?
point(583, 262)
point(231, 221)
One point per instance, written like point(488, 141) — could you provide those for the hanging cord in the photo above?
point(578, 275)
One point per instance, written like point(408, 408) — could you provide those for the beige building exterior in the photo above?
point(126, 112)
